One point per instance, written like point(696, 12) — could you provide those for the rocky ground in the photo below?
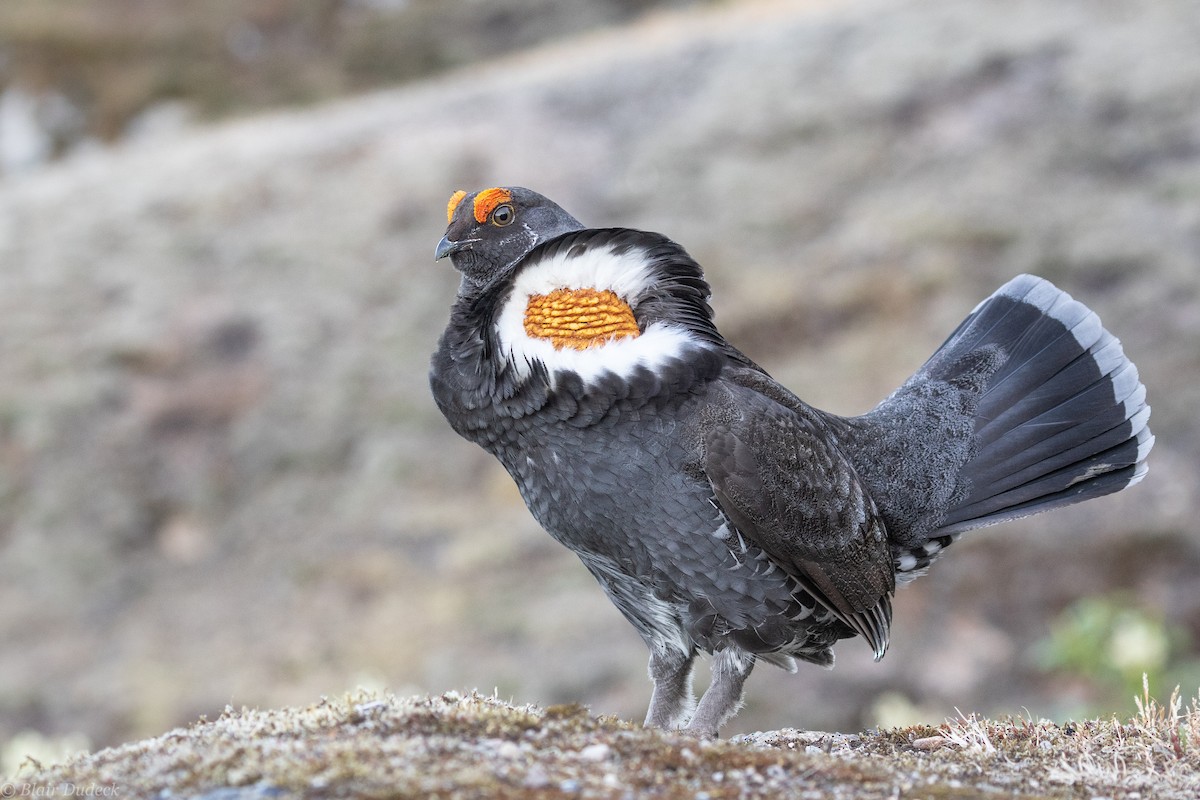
point(222, 481)
point(472, 746)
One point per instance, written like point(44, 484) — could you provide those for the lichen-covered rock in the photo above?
point(368, 745)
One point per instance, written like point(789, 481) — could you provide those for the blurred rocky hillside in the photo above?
point(222, 480)
point(75, 73)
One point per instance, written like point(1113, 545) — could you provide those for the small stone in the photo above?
point(595, 752)
point(508, 750)
point(536, 777)
point(929, 743)
point(363, 709)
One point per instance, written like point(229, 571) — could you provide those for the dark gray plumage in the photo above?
point(716, 509)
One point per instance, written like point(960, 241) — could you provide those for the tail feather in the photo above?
point(1083, 386)
point(1089, 415)
point(1063, 420)
point(1085, 371)
point(1101, 473)
point(1049, 456)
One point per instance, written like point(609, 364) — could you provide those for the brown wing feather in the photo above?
point(784, 485)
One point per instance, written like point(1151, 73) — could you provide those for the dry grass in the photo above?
point(1152, 754)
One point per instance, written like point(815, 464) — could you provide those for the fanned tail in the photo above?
point(1064, 419)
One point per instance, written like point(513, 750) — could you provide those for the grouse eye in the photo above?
point(503, 215)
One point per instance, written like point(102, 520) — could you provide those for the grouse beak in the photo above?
point(448, 247)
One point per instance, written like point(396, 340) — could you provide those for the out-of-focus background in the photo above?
point(222, 480)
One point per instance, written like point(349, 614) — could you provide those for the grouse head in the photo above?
point(491, 230)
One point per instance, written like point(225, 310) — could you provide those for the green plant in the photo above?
point(1114, 642)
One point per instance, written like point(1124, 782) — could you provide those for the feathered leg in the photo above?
point(723, 698)
point(672, 702)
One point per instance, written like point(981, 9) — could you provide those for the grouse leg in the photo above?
point(672, 702)
point(723, 697)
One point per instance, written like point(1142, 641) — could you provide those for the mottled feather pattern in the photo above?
point(781, 484)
